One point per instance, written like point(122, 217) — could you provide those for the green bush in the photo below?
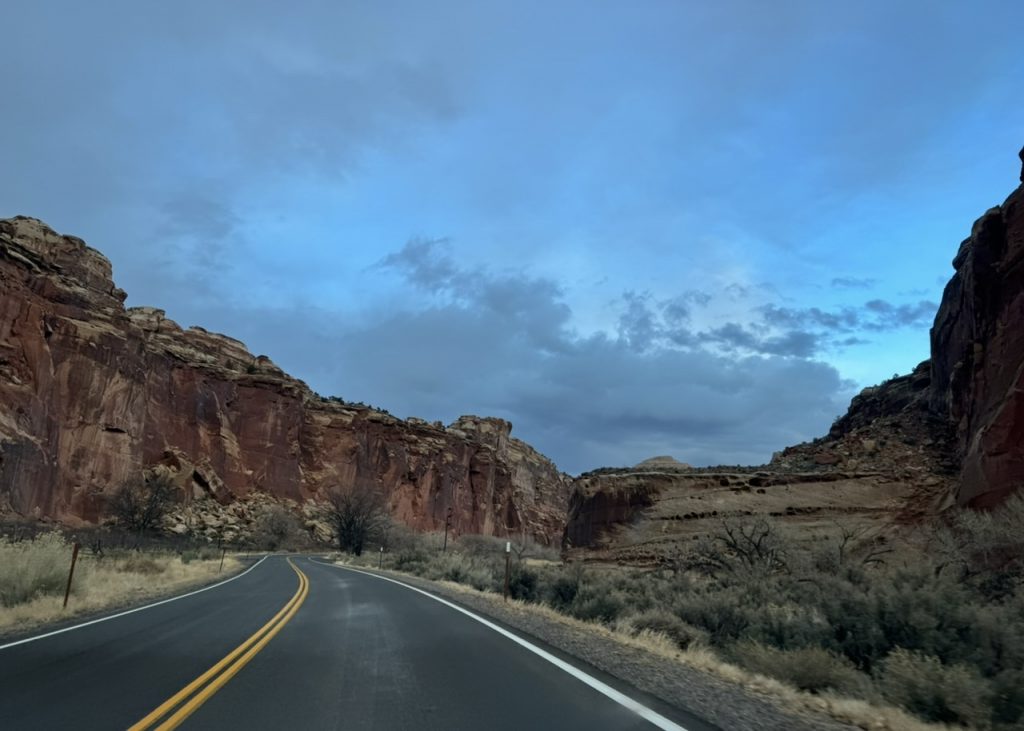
point(202, 553)
point(561, 591)
point(682, 634)
point(1008, 698)
point(955, 694)
point(808, 668)
point(719, 614)
point(447, 566)
point(600, 607)
point(523, 584)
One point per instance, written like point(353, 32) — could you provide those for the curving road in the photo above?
point(298, 644)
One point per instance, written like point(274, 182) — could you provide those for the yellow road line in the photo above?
point(250, 647)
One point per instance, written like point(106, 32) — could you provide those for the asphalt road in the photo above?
point(339, 650)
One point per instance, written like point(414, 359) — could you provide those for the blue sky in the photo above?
point(629, 228)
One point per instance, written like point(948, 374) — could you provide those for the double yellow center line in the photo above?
point(193, 695)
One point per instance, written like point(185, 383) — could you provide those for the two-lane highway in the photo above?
point(297, 644)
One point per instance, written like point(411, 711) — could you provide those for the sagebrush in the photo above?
point(942, 637)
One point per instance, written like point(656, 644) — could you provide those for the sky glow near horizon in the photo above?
point(629, 228)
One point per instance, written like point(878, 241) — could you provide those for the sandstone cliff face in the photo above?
point(93, 394)
point(600, 502)
point(978, 355)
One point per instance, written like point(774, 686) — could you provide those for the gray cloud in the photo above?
point(875, 315)
point(419, 263)
point(638, 326)
point(888, 316)
point(499, 343)
point(794, 343)
point(137, 118)
point(595, 400)
point(168, 135)
point(770, 329)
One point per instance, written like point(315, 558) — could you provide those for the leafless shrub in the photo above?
point(357, 515)
point(473, 544)
point(276, 527)
point(754, 547)
point(983, 545)
point(140, 505)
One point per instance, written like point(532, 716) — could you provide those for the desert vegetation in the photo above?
point(34, 574)
point(140, 504)
point(278, 528)
point(358, 516)
point(933, 624)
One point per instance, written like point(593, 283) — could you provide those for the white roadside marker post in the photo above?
point(508, 557)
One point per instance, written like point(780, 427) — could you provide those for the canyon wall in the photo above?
point(951, 432)
point(93, 394)
point(978, 354)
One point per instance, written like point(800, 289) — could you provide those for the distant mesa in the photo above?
point(662, 462)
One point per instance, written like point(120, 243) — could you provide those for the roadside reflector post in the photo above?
point(223, 553)
point(380, 562)
point(508, 557)
point(71, 573)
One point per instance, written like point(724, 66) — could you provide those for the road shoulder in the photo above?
point(17, 633)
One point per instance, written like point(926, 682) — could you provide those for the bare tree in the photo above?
point(358, 515)
point(748, 546)
point(140, 505)
point(276, 527)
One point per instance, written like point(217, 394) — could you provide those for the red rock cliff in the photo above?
point(92, 394)
point(978, 354)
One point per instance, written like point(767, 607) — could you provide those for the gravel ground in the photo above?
point(716, 701)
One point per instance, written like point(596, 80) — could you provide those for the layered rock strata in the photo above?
point(93, 394)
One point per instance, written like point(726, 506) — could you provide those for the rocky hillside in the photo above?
point(950, 432)
point(93, 394)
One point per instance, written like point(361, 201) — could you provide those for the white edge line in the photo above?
point(132, 611)
point(622, 699)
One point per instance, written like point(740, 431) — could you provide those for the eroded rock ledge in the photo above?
point(93, 393)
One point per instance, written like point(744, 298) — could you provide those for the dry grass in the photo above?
point(33, 576)
point(859, 713)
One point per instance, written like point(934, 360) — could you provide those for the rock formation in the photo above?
point(950, 431)
point(662, 462)
point(93, 394)
point(978, 354)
